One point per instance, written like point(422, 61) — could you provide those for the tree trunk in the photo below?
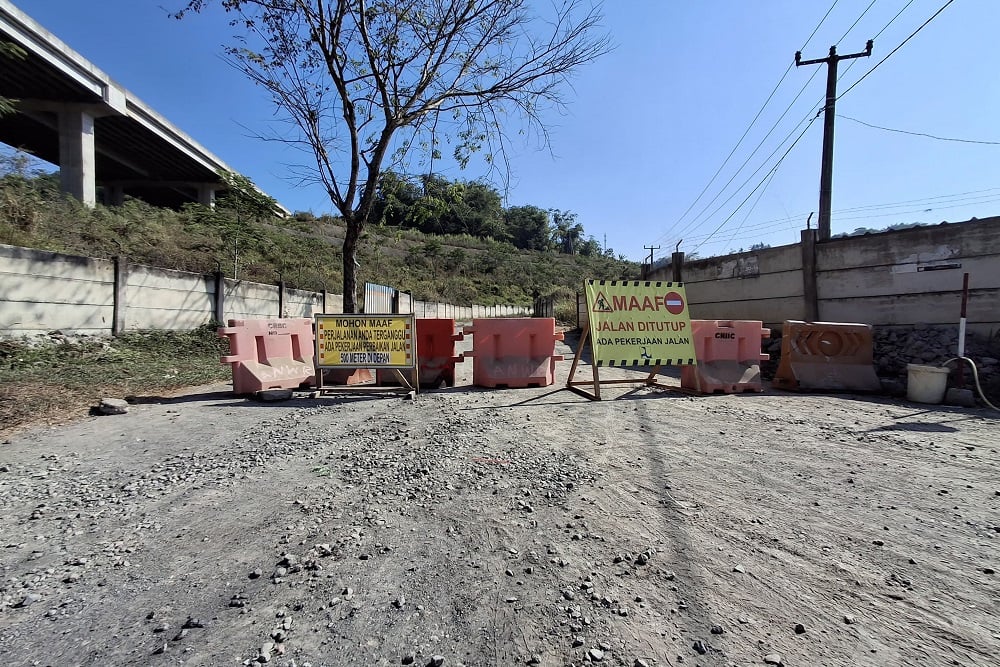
point(350, 265)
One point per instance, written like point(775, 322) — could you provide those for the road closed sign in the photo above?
point(365, 341)
point(639, 323)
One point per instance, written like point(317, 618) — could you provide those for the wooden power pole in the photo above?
point(826, 173)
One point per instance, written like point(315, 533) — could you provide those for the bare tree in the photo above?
point(369, 84)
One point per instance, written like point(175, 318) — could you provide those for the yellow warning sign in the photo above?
point(639, 323)
point(365, 341)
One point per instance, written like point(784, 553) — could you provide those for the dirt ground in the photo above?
point(504, 527)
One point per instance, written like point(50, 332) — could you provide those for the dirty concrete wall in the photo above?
point(42, 291)
point(45, 291)
point(167, 299)
point(912, 276)
point(894, 278)
point(742, 286)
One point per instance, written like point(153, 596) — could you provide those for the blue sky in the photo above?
point(650, 124)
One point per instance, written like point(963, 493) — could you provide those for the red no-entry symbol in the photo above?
point(674, 303)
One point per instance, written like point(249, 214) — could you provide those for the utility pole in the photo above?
point(651, 248)
point(826, 173)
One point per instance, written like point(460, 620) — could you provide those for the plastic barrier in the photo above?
point(436, 356)
point(513, 352)
point(835, 356)
point(729, 356)
point(269, 354)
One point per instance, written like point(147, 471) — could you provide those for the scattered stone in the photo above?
point(113, 406)
point(399, 602)
point(534, 660)
point(800, 629)
point(436, 661)
point(740, 569)
point(639, 662)
point(162, 627)
point(988, 570)
point(256, 574)
point(700, 648)
point(577, 642)
point(29, 599)
point(773, 659)
point(717, 630)
point(595, 654)
point(642, 559)
point(878, 543)
point(849, 619)
point(408, 659)
point(180, 635)
point(568, 594)
point(160, 649)
point(511, 598)
point(193, 622)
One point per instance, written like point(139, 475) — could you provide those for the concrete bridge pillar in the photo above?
point(206, 194)
point(114, 194)
point(77, 170)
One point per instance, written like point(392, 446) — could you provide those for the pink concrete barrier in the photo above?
point(513, 352)
point(729, 356)
point(269, 354)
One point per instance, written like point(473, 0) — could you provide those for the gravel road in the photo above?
point(504, 527)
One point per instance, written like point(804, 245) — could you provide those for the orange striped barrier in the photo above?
point(729, 356)
point(513, 352)
point(269, 354)
point(833, 356)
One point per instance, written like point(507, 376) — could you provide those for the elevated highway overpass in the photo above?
point(105, 140)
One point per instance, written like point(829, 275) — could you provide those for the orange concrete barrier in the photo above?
point(834, 356)
point(728, 354)
point(436, 358)
point(513, 352)
point(269, 354)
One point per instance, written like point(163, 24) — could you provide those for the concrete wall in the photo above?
point(737, 287)
point(39, 289)
point(166, 299)
point(45, 291)
point(893, 278)
point(300, 303)
point(912, 276)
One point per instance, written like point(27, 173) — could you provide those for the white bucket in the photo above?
point(926, 384)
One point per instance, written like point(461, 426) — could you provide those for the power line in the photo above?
point(732, 178)
point(921, 134)
point(773, 169)
point(750, 126)
point(884, 28)
point(842, 37)
point(922, 26)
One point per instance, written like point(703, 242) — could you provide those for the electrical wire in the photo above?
point(912, 35)
point(921, 134)
point(694, 221)
point(773, 169)
point(750, 126)
point(842, 37)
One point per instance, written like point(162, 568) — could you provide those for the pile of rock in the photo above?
point(895, 347)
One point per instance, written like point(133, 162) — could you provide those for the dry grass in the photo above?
point(61, 379)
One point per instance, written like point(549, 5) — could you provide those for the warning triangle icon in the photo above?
point(601, 304)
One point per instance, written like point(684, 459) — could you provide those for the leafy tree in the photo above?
point(528, 227)
point(566, 231)
point(365, 82)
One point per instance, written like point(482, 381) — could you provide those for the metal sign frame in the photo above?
point(382, 338)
